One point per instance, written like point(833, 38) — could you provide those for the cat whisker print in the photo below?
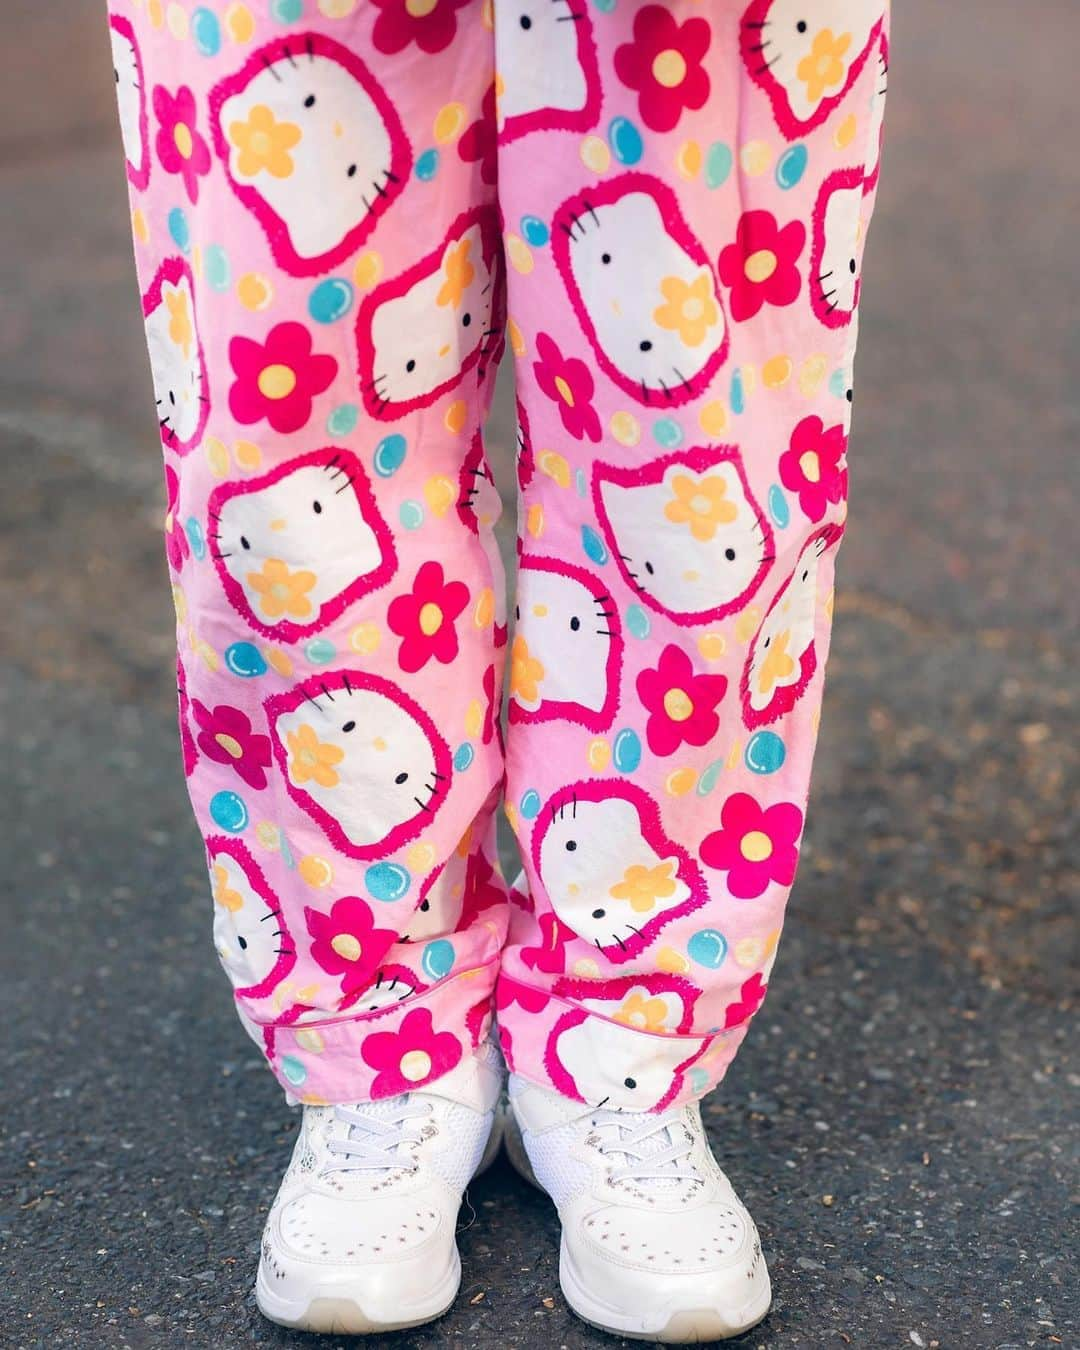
point(788, 30)
point(318, 99)
point(358, 786)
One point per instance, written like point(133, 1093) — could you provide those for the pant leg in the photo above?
point(312, 192)
point(686, 190)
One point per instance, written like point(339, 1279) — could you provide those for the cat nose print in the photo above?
point(378, 744)
point(540, 610)
point(338, 129)
point(444, 350)
point(279, 524)
point(691, 575)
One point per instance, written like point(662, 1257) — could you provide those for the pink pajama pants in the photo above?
point(342, 209)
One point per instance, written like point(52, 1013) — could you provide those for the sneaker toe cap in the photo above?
point(328, 1230)
point(718, 1237)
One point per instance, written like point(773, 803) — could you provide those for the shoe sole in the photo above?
point(689, 1326)
point(337, 1313)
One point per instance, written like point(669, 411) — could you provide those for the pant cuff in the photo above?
point(320, 1060)
point(588, 1056)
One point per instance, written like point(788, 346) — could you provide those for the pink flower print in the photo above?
point(347, 943)
point(663, 64)
point(568, 382)
point(278, 379)
point(413, 1055)
point(681, 704)
point(479, 142)
point(509, 991)
point(226, 736)
point(755, 845)
point(180, 147)
point(760, 266)
point(424, 618)
point(812, 466)
point(177, 548)
point(431, 24)
point(751, 997)
point(550, 956)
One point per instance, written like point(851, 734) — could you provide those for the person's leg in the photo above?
point(320, 281)
point(685, 227)
point(312, 189)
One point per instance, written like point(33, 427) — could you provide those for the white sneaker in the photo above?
point(655, 1243)
point(361, 1236)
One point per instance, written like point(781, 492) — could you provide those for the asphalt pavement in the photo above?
point(902, 1118)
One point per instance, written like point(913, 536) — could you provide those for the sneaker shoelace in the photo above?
point(656, 1148)
point(374, 1135)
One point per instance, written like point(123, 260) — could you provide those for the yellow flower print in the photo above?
point(644, 886)
point(700, 503)
point(223, 893)
point(643, 1014)
point(264, 143)
point(181, 329)
point(824, 67)
point(458, 273)
point(526, 672)
point(690, 308)
point(281, 591)
point(778, 664)
point(312, 758)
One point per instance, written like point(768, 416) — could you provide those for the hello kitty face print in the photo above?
point(548, 71)
point(361, 758)
point(783, 657)
point(420, 333)
point(479, 504)
point(686, 532)
point(877, 113)
point(834, 257)
point(655, 1002)
point(131, 100)
point(612, 875)
point(351, 201)
point(304, 120)
point(176, 356)
point(806, 54)
point(567, 653)
point(613, 1065)
point(394, 984)
point(296, 546)
point(250, 932)
point(642, 288)
point(442, 901)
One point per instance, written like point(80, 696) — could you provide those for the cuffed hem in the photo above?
point(558, 1043)
point(320, 1060)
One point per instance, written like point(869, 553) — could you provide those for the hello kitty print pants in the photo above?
point(342, 210)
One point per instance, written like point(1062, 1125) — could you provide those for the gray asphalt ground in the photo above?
point(902, 1120)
